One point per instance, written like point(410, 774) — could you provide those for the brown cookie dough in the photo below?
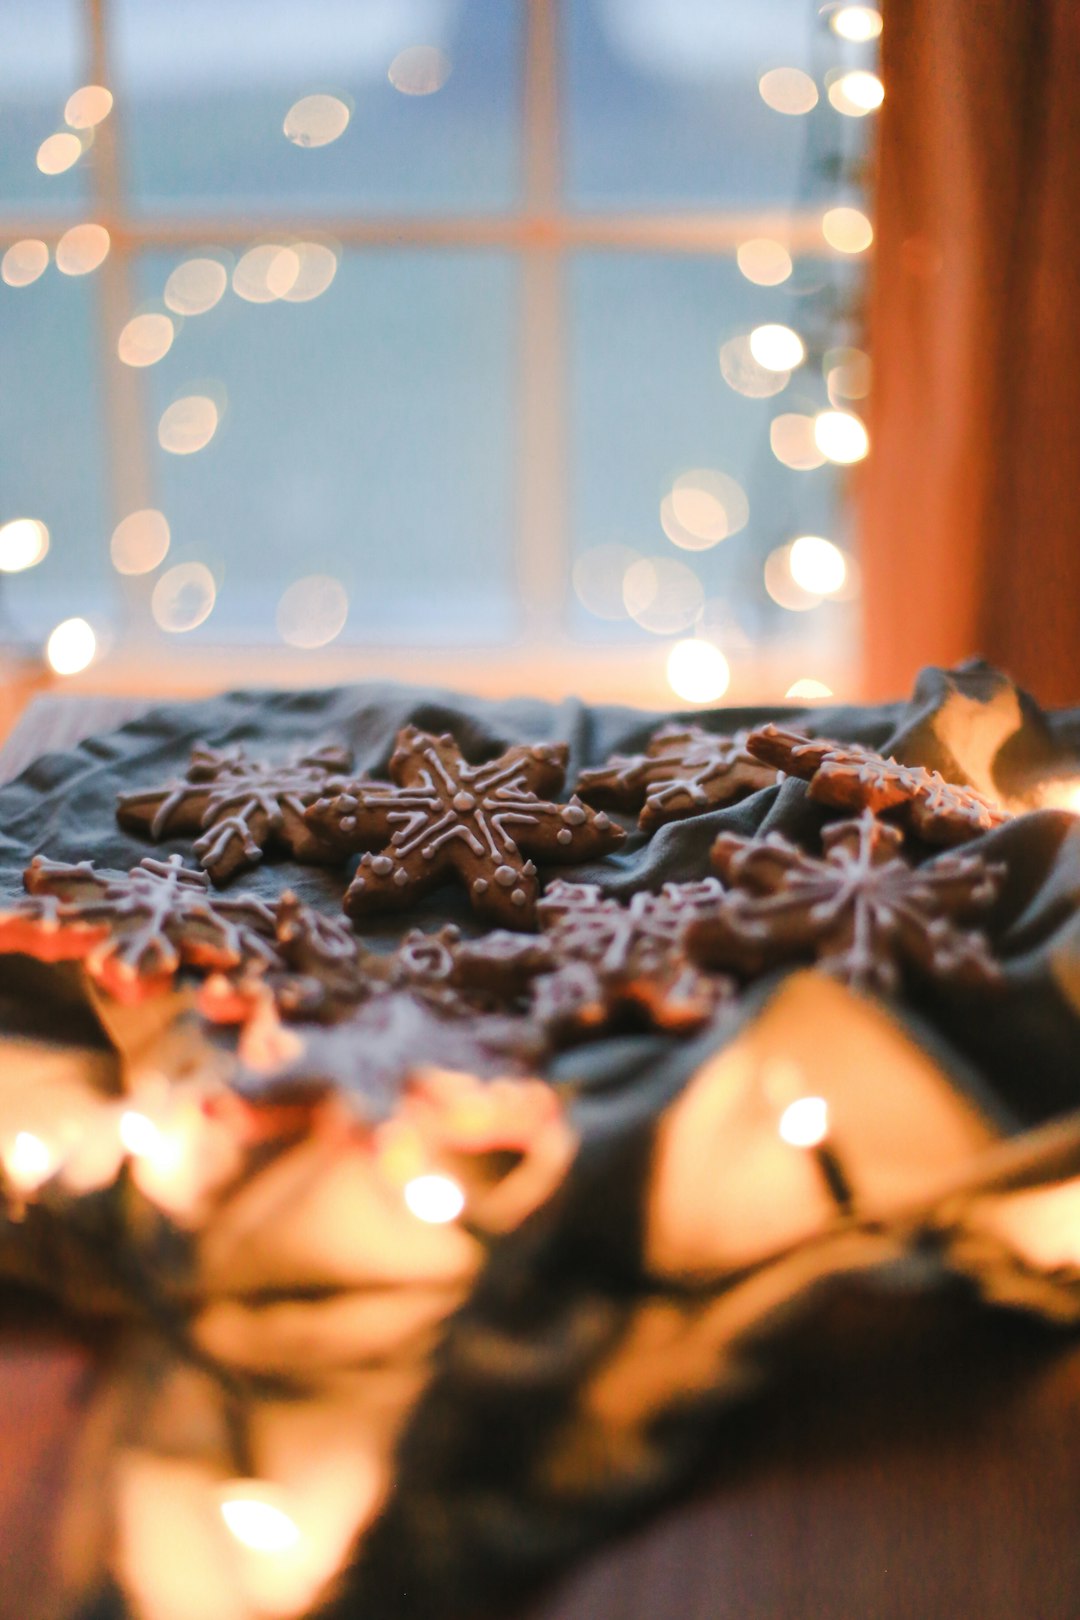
point(683, 771)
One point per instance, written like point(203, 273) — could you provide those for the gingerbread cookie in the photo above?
point(440, 817)
point(855, 778)
point(242, 807)
point(322, 970)
point(684, 770)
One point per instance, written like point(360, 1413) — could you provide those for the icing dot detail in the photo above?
point(464, 802)
point(480, 886)
point(382, 865)
point(505, 876)
point(401, 877)
point(574, 815)
point(564, 836)
point(518, 897)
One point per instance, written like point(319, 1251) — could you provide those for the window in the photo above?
point(424, 326)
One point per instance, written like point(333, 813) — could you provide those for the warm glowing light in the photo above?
point(436, 1199)
point(662, 595)
point(195, 286)
point(791, 437)
point(59, 152)
point(598, 579)
point(316, 120)
point(82, 249)
point(420, 70)
point(697, 671)
point(809, 689)
point(88, 106)
point(312, 611)
point(704, 507)
point(71, 647)
point(188, 425)
point(847, 374)
point(805, 1122)
point(24, 261)
point(857, 93)
point(1061, 795)
point(817, 565)
point(841, 436)
point(847, 230)
point(28, 1162)
point(316, 267)
point(145, 340)
point(788, 90)
point(140, 541)
point(763, 261)
point(265, 273)
point(254, 1515)
point(742, 372)
point(183, 597)
point(784, 590)
point(139, 1135)
point(857, 23)
point(23, 542)
point(777, 348)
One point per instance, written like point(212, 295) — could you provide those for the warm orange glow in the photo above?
point(437, 1199)
point(88, 106)
point(139, 1135)
point(763, 261)
point(856, 93)
point(145, 340)
point(847, 230)
point(805, 1122)
point(856, 23)
point(195, 286)
point(24, 262)
point(254, 1514)
point(312, 611)
point(140, 541)
point(841, 436)
point(183, 597)
point(697, 671)
point(71, 647)
point(59, 152)
point(316, 120)
point(817, 565)
point(777, 348)
point(420, 70)
point(791, 437)
point(742, 372)
point(23, 543)
point(788, 90)
point(82, 249)
point(662, 595)
point(188, 424)
point(598, 579)
point(808, 689)
point(28, 1162)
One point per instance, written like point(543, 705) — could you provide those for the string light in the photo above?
point(24, 262)
point(791, 439)
point(805, 1122)
point(23, 543)
point(312, 611)
point(420, 70)
point(777, 348)
point(598, 575)
point(81, 249)
point(195, 286)
point(316, 120)
point(183, 598)
point(254, 1515)
point(71, 647)
point(57, 153)
point(188, 425)
point(697, 671)
point(746, 375)
point(847, 230)
point(436, 1199)
point(857, 93)
point(145, 340)
point(28, 1162)
point(809, 688)
point(817, 565)
point(859, 24)
point(764, 262)
point(662, 595)
point(841, 436)
point(88, 106)
point(788, 90)
point(140, 541)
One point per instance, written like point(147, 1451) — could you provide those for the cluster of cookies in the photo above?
point(560, 961)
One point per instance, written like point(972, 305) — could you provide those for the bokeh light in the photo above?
point(312, 611)
point(188, 424)
point(88, 106)
point(703, 508)
point(59, 152)
point(745, 375)
point(317, 265)
point(697, 671)
point(24, 262)
point(265, 273)
point(71, 647)
point(763, 261)
point(805, 1122)
point(807, 689)
point(847, 373)
point(788, 90)
point(316, 120)
point(598, 576)
point(195, 286)
point(777, 348)
point(791, 438)
point(436, 1199)
point(145, 340)
point(420, 70)
point(847, 230)
point(662, 595)
point(857, 93)
point(255, 1516)
point(140, 542)
point(856, 23)
point(183, 597)
point(841, 436)
point(784, 590)
point(23, 542)
point(82, 249)
point(817, 565)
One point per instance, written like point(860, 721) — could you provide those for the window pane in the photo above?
point(365, 436)
point(43, 58)
point(206, 86)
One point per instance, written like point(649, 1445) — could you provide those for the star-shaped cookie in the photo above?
point(683, 771)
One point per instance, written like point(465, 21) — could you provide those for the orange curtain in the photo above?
point(970, 501)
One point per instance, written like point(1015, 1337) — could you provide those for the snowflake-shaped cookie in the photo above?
point(135, 930)
point(322, 971)
point(439, 816)
point(862, 912)
point(241, 806)
point(683, 771)
point(855, 778)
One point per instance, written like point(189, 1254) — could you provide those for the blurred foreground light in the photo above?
point(805, 1122)
point(697, 671)
point(788, 90)
point(195, 286)
point(24, 262)
point(436, 1199)
point(316, 267)
point(847, 230)
point(71, 647)
point(420, 70)
point(808, 689)
point(23, 542)
point(28, 1162)
point(59, 152)
point(703, 508)
point(316, 120)
point(784, 590)
point(817, 565)
point(140, 541)
point(857, 93)
point(145, 340)
point(82, 249)
point(746, 375)
point(841, 436)
point(791, 438)
point(255, 1516)
point(138, 1134)
point(88, 106)
point(763, 261)
point(847, 373)
point(265, 273)
point(598, 578)
point(777, 348)
point(188, 424)
point(856, 23)
point(183, 597)
point(662, 595)
point(312, 611)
